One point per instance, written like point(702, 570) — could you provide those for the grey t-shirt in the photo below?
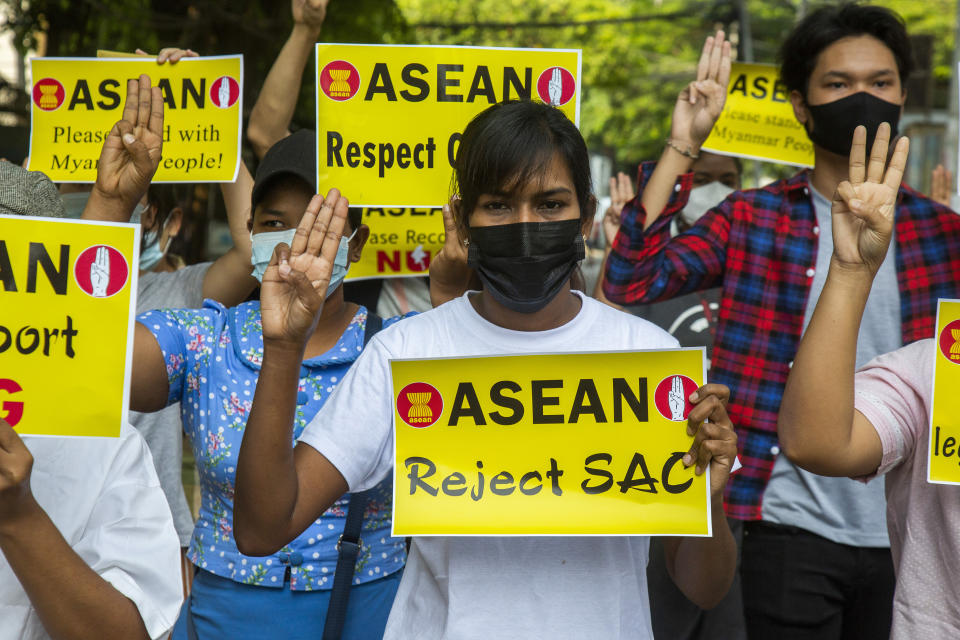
point(182, 289)
point(840, 509)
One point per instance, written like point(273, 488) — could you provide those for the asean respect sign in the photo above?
point(527, 445)
point(943, 457)
point(76, 101)
point(66, 324)
point(758, 121)
point(389, 117)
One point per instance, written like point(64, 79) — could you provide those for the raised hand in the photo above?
point(864, 205)
point(449, 274)
point(131, 153)
point(171, 54)
point(621, 192)
point(310, 13)
point(295, 283)
point(940, 188)
point(555, 87)
point(714, 440)
point(676, 400)
point(100, 273)
point(700, 103)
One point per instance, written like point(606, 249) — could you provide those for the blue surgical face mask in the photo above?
point(151, 254)
point(341, 264)
point(263, 245)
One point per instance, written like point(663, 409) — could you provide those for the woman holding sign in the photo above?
point(525, 200)
point(209, 360)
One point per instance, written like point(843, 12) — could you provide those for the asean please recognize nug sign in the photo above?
point(67, 299)
point(390, 117)
point(565, 444)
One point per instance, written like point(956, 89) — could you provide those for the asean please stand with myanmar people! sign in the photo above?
point(566, 444)
point(76, 101)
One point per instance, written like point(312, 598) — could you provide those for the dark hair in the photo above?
point(355, 217)
point(164, 198)
point(823, 27)
point(507, 144)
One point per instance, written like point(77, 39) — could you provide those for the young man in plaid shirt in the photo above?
point(816, 559)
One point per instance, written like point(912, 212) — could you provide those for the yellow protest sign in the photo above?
point(943, 456)
point(757, 120)
point(389, 117)
point(402, 242)
point(566, 444)
point(76, 101)
point(67, 297)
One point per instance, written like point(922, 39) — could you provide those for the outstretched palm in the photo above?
point(295, 283)
point(132, 150)
point(699, 105)
point(864, 205)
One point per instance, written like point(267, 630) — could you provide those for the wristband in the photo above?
point(688, 152)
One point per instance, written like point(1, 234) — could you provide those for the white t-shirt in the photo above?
point(490, 587)
point(104, 497)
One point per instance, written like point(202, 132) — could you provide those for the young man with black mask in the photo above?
point(816, 559)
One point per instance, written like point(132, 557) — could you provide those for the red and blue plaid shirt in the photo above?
point(760, 246)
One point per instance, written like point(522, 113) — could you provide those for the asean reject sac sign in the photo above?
point(363, 91)
point(76, 101)
point(66, 315)
point(520, 444)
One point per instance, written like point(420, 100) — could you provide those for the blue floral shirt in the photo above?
point(213, 358)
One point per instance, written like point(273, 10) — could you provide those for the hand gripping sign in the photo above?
point(67, 298)
point(758, 121)
point(389, 117)
point(567, 444)
point(943, 457)
point(76, 101)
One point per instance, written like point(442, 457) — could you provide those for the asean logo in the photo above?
point(224, 92)
point(419, 404)
point(48, 94)
point(101, 271)
point(672, 397)
point(556, 86)
point(340, 80)
point(950, 342)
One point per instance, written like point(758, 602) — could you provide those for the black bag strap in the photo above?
point(349, 545)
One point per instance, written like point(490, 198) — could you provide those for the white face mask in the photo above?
point(702, 199)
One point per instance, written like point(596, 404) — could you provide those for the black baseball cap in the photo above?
point(294, 155)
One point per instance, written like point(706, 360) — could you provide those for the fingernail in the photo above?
point(856, 204)
point(687, 461)
point(128, 138)
point(699, 471)
point(284, 268)
point(694, 396)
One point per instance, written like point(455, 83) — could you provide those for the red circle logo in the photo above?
point(224, 92)
point(101, 271)
point(340, 80)
point(48, 94)
point(950, 342)
point(419, 404)
point(556, 86)
point(672, 397)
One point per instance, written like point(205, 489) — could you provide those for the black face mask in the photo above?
point(525, 265)
point(834, 122)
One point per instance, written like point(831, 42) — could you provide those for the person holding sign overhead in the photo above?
point(817, 543)
point(838, 423)
point(523, 181)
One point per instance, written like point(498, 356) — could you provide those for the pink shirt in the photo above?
point(895, 392)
